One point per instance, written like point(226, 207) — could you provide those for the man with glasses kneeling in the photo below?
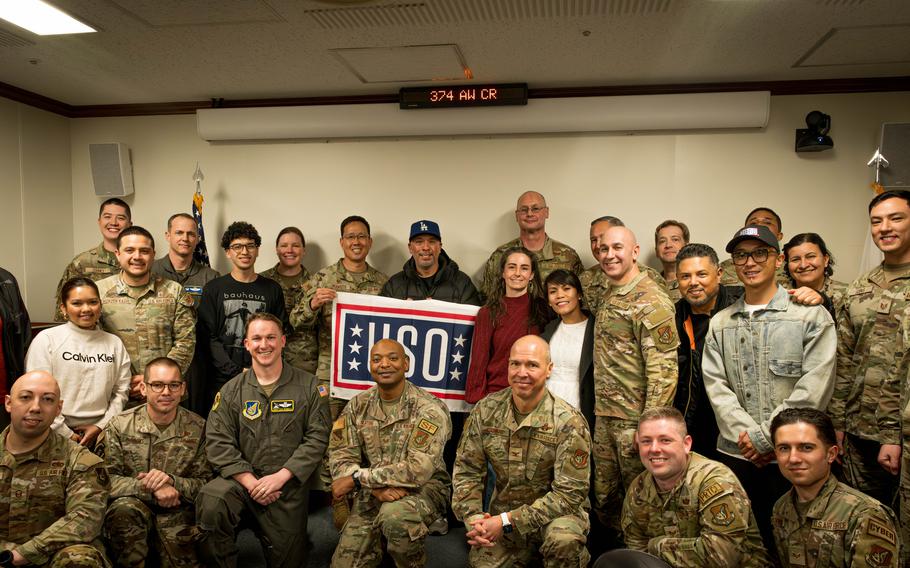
point(155, 457)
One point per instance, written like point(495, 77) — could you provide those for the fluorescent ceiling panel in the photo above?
point(405, 63)
point(41, 18)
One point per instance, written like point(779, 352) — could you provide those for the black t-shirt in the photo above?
point(225, 307)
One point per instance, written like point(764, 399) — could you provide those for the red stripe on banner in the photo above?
point(405, 311)
point(334, 371)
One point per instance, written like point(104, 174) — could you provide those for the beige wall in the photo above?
point(708, 179)
point(36, 219)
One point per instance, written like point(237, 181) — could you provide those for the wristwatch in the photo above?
point(356, 478)
point(506, 523)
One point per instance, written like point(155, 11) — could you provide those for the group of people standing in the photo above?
point(591, 388)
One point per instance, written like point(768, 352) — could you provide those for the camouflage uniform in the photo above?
point(542, 478)
point(156, 320)
point(705, 520)
point(248, 431)
point(672, 289)
point(302, 349)
point(402, 449)
point(729, 277)
point(193, 279)
point(635, 368)
point(338, 278)
point(552, 256)
point(133, 444)
point(866, 399)
point(53, 499)
point(836, 292)
point(841, 527)
point(595, 285)
point(97, 263)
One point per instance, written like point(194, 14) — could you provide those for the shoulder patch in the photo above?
point(323, 392)
point(580, 459)
point(879, 556)
point(709, 492)
point(880, 530)
point(722, 515)
point(217, 401)
point(427, 427)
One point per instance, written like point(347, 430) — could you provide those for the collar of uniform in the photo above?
point(629, 286)
point(44, 452)
point(652, 494)
point(819, 505)
point(368, 274)
point(145, 425)
point(283, 379)
point(191, 270)
point(779, 303)
point(273, 274)
point(877, 275)
point(374, 406)
point(124, 289)
point(540, 417)
point(546, 253)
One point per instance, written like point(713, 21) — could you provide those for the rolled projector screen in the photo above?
point(558, 115)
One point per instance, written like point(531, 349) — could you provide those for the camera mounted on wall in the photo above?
point(815, 138)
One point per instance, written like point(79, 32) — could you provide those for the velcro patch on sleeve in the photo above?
point(709, 492)
point(428, 427)
point(881, 531)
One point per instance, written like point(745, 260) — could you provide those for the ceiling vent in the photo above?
point(9, 39)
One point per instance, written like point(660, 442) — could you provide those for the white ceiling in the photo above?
point(189, 50)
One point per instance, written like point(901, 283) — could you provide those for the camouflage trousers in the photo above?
point(862, 471)
point(616, 464)
point(129, 523)
point(402, 524)
point(904, 511)
point(281, 527)
point(561, 543)
point(78, 556)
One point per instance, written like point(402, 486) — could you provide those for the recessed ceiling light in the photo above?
point(41, 18)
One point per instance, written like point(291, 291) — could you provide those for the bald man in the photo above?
point(531, 214)
point(54, 491)
point(386, 450)
point(539, 447)
point(635, 367)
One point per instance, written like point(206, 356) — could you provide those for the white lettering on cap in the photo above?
point(751, 231)
point(423, 226)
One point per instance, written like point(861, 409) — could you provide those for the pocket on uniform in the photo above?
point(784, 368)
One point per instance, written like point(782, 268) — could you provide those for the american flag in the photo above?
point(201, 254)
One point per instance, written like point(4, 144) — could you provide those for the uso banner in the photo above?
point(436, 337)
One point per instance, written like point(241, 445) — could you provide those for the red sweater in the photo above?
point(490, 347)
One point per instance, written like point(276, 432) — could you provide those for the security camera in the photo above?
point(814, 138)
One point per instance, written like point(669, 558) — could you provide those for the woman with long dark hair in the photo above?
point(808, 262)
point(515, 308)
point(91, 365)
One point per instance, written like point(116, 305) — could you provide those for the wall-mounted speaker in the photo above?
point(895, 147)
point(112, 169)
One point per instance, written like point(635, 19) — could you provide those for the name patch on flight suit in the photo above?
point(282, 406)
point(252, 409)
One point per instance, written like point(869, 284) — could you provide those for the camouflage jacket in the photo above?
point(53, 497)
point(542, 465)
point(729, 278)
point(706, 520)
point(635, 341)
point(866, 399)
point(595, 285)
point(134, 444)
point(156, 320)
point(248, 431)
point(193, 279)
point(399, 450)
point(552, 256)
point(842, 527)
point(302, 349)
point(338, 278)
point(672, 289)
point(97, 263)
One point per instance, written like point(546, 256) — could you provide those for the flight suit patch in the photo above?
point(282, 406)
point(217, 401)
point(879, 530)
point(580, 459)
point(721, 515)
point(427, 427)
point(879, 556)
point(323, 392)
point(252, 409)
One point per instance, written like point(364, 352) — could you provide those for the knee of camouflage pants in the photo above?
point(402, 526)
point(126, 528)
point(904, 510)
point(616, 463)
point(78, 556)
point(564, 542)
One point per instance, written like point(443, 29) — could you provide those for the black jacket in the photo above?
point(448, 284)
point(691, 398)
point(586, 366)
point(17, 330)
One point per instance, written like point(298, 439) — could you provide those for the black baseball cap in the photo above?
point(756, 232)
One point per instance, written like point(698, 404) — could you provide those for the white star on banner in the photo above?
point(355, 347)
point(353, 365)
point(459, 341)
point(456, 375)
point(457, 357)
point(356, 330)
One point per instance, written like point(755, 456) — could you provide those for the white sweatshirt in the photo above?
point(93, 369)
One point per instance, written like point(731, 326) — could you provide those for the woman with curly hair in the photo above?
point(807, 262)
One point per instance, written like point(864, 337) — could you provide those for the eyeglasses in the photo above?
point(357, 237)
point(759, 255)
point(243, 246)
point(534, 210)
point(159, 387)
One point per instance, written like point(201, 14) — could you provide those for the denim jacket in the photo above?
point(755, 366)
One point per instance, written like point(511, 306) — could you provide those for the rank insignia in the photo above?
point(879, 556)
point(217, 401)
point(580, 459)
point(252, 409)
point(722, 515)
point(101, 474)
point(282, 406)
point(665, 334)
